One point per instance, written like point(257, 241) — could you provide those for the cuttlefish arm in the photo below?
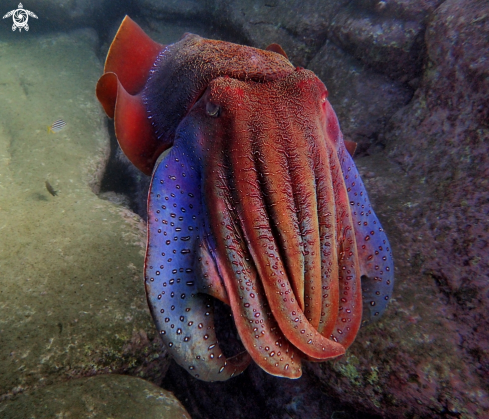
point(260, 184)
point(374, 251)
point(177, 271)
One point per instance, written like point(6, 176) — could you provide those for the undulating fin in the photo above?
point(132, 126)
point(375, 253)
point(276, 48)
point(131, 56)
point(184, 317)
point(106, 92)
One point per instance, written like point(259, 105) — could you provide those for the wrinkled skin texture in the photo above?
point(254, 201)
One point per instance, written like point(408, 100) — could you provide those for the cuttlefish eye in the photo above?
point(212, 109)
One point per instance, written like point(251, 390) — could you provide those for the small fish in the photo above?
point(50, 189)
point(57, 126)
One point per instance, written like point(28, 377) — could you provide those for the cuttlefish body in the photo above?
point(254, 200)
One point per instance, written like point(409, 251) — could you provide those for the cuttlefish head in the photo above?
point(271, 215)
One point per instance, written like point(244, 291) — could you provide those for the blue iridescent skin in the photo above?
point(254, 201)
point(372, 242)
point(177, 261)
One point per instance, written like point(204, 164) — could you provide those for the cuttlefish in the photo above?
point(255, 201)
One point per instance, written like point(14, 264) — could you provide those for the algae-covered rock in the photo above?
point(72, 298)
point(104, 396)
point(364, 100)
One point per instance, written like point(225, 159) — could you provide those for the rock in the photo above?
point(72, 301)
point(299, 27)
point(103, 396)
point(428, 356)
point(171, 10)
point(363, 99)
point(385, 35)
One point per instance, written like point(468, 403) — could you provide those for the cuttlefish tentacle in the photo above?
point(259, 332)
point(376, 262)
point(350, 298)
point(184, 317)
point(300, 152)
point(248, 198)
point(329, 252)
point(375, 253)
point(349, 292)
point(210, 282)
point(326, 202)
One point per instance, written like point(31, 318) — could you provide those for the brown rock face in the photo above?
point(440, 140)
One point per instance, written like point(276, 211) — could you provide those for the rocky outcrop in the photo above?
point(72, 300)
point(428, 357)
point(103, 396)
point(364, 100)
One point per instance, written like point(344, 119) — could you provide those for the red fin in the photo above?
point(276, 48)
point(131, 56)
point(351, 146)
point(132, 126)
point(106, 92)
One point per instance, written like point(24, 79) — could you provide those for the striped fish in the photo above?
point(57, 126)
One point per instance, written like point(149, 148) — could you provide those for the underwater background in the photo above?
point(409, 81)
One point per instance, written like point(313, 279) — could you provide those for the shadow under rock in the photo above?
point(255, 394)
